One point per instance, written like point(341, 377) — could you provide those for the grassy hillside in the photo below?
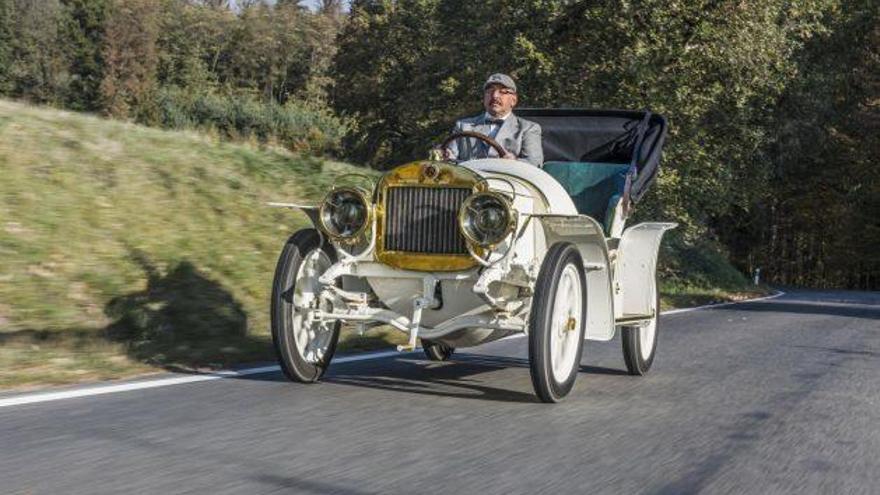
point(126, 249)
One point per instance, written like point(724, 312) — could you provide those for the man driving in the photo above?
point(520, 138)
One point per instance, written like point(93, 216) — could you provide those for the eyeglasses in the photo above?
point(503, 91)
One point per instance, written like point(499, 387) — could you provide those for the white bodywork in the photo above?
point(493, 300)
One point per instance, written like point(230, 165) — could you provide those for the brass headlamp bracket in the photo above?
point(337, 182)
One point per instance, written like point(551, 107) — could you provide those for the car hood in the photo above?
point(556, 198)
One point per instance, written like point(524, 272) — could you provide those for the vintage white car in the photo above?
point(460, 254)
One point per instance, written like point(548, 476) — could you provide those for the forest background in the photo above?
point(774, 105)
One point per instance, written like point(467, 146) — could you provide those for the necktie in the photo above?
point(493, 131)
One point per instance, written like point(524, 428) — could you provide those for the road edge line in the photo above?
point(90, 391)
point(779, 293)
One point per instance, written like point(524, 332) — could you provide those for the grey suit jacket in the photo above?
point(519, 136)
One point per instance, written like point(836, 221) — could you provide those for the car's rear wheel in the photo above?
point(557, 323)
point(304, 346)
point(640, 342)
point(437, 351)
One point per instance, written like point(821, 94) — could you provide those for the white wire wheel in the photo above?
point(557, 323)
point(304, 346)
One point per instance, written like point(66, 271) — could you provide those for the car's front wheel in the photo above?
point(304, 344)
point(557, 323)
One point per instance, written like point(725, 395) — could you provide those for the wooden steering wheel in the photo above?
point(482, 137)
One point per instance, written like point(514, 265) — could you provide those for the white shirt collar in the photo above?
point(488, 116)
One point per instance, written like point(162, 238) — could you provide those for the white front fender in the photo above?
point(587, 235)
point(310, 211)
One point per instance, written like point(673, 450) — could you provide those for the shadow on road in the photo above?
point(456, 378)
point(601, 370)
point(301, 485)
point(841, 351)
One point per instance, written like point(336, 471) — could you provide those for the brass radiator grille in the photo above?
point(424, 220)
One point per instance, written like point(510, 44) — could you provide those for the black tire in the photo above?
point(295, 367)
point(437, 351)
point(636, 364)
point(547, 387)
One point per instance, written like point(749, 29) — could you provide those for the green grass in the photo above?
point(698, 273)
point(126, 249)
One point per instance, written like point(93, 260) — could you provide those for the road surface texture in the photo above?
point(777, 396)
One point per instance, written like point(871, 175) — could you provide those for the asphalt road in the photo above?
point(779, 396)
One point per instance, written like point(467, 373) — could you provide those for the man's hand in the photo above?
point(508, 155)
point(440, 153)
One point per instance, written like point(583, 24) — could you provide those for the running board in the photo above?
point(633, 319)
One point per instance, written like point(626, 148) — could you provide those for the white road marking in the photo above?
point(718, 305)
point(38, 397)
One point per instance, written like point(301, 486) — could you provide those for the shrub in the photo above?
point(296, 126)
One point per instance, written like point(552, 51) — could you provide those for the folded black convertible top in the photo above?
point(609, 136)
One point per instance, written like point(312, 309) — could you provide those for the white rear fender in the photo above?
point(637, 268)
point(587, 235)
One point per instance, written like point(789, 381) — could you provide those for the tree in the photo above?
point(820, 226)
point(82, 35)
point(192, 41)
point(129, 53)
point(6, 40)
point(37, 67)
point(280, 52)
point(332, 8)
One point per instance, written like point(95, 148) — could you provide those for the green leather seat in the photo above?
point(595, 188)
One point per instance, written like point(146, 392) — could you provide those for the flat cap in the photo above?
point(502, 79)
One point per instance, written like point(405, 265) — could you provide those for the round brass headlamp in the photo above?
point(345, 213)
point(486, 218)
